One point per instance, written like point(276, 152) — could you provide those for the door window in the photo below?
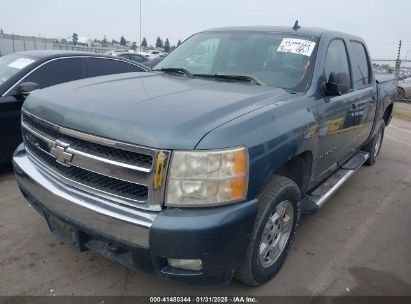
point(56, 72)
point(360, 65)
point(102, 66)
point(336, 66)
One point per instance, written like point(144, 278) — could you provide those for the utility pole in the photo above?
point(140, 26)
point(398, 62)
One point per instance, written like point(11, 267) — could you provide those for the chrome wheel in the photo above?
point(378, 144)
point(276, 233)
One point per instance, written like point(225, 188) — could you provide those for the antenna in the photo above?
point(296, 26)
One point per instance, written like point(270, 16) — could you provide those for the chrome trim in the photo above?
point(86, 160)
point(96, 213)
point(321, 200)
point(114, 169)
point(71, 57)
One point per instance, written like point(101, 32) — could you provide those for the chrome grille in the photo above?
point(138, 159)
point(119, 171)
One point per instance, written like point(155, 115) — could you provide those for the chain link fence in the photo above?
point(16, 43)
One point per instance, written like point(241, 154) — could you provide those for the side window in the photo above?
point(360, 64)
point(137, 58)
point(56, 72)
point(336, 66)
point(102, 66)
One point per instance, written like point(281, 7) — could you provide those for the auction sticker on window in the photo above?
point(20, 63)
point(297, 46)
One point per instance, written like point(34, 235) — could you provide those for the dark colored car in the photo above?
point(199, 170)
point(23, 72)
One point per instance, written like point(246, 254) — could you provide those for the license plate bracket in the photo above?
point(64, 231)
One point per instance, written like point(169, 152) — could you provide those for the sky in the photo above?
point(381, 23)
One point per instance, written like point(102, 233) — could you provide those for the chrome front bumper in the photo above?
point(104, 216)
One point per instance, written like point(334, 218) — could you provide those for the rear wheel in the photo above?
point(374, 146)
point(274, 229)
point(401, 94)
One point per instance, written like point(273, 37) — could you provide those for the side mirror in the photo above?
point(336, 89)
point(25, 88)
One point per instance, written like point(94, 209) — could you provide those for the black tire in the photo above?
point(277, 190)
point(372, 146)
point(401, 94)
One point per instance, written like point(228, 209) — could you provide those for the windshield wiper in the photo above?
point(250, 78)
point(175, 70)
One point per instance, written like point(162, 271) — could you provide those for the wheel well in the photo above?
point(388, 114)
point(298, 170)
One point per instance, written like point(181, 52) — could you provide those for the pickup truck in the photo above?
point(199, 170)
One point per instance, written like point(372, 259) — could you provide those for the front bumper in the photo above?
point(140, 239)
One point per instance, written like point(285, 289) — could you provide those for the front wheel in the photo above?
point(274, 229)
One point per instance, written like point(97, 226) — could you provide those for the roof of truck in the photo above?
point(309, 31)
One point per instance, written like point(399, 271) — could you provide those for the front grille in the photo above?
point(123, 173)
point(132, 158)
point(97, 181)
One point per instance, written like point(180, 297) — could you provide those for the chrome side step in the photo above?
point(312, 202)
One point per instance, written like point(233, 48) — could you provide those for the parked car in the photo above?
point(131, 56)
point(21, 73)
point(152, 63)
point(204, 172)
point(404, 89)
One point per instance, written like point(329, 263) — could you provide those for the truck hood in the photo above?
point(149, 109)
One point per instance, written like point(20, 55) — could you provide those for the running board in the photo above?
point(312, 202)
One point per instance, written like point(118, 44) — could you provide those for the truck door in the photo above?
point(365, 91)
point(336, 120)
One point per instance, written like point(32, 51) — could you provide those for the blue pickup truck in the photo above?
point(199, 170)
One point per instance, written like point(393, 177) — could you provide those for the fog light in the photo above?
point(195, 265)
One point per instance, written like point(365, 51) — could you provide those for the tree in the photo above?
point(104, 42)
point(1, 31)
point(144, 42)
point(167, 46)
point(159, 43)
point(74, 38)
point(123, 41)
point(178, 43)
point(134, 46)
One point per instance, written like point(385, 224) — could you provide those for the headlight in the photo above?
point(207, 178)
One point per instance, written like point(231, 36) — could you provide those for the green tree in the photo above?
point(144, 42)
point(104, 42)
point(167, 46)
point(123, 41)
point(178, 43)
point(1, 31)
point(74, 38)
point(159, 43)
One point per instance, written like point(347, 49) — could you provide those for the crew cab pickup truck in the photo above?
point(198, 171)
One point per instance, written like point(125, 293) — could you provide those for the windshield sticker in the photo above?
point(20, 63)
point(297, 46)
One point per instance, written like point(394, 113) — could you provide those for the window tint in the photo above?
point(57, 71)
point(336, 66)
point(101, 66)
point(360, 64)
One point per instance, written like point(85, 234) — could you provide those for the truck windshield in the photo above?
point(12, 64)
point(274, 59)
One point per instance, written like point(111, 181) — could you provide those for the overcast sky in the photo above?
point(382, 23)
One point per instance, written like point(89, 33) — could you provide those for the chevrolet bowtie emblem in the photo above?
point(59, 151)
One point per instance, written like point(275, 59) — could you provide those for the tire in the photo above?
point(401, 94)
point(374, 146)
point(278, 192)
